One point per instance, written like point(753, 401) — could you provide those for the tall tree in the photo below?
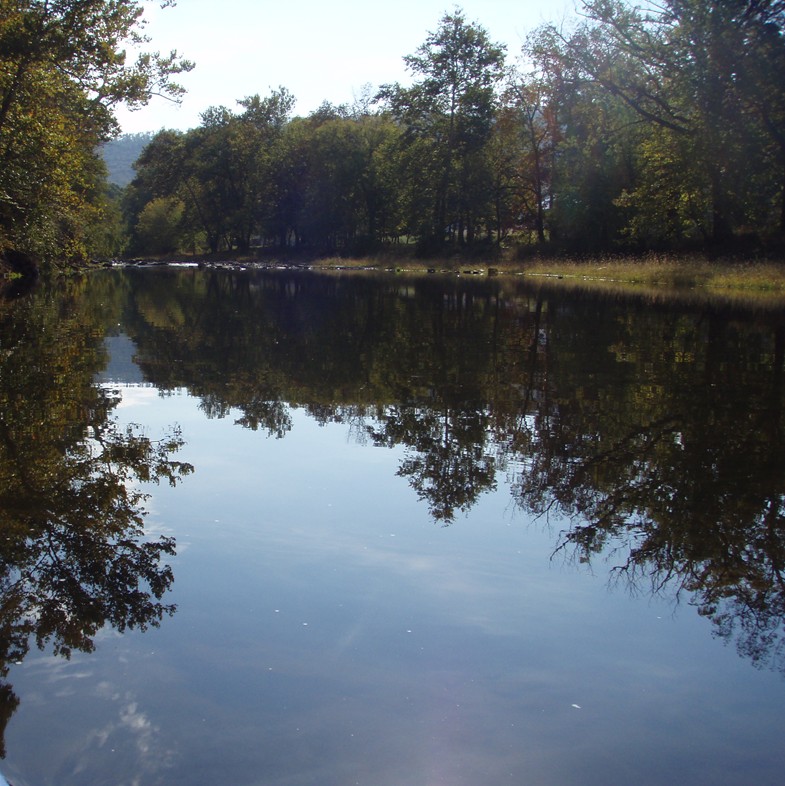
point(528, 121)
point(63, 69)
point(257, 141)
point(680, 65)
point(762, 86)
point(448, 115)
point(578, 135)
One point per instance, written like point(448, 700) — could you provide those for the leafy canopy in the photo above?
point(63, 69)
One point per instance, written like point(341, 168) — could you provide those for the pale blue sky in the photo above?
point(317, 50)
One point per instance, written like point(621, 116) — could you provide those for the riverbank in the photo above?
point(717, 275)
point(749, 284)
point(651, 269)
point(730, 276)
point(664, 271)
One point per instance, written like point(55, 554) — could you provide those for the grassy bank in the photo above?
point(656, 274)
point(668, 271)
point(652, 271)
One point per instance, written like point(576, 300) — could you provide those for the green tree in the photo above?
point(375, 138)
point(289, 176)
point(63, 69)
point(257, 142)
point(527, 132)
point(587, 136)
point(694, 70)
point(161, 174)
point(159, 227)
point(762, 87)
point(223, 172)
point(447, 116)
point(106, 236)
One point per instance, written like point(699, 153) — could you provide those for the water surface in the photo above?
point(286, 528)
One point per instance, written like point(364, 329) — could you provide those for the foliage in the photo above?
point(447, 117)
point(697, 73)
point(75, 556)
point(261, 176)
point(643, 126)
point(63, 68)
point(159, 224)
point(656, 437)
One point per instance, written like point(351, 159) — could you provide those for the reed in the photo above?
point(663, 270)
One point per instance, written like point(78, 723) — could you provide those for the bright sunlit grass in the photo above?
point(665, 270)
point(660, 276)
point(651, 269)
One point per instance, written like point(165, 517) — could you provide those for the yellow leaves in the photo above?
point(649, 392)
point(50, 157)
point(625, 356)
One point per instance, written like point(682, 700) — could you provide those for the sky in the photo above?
point(319, 51)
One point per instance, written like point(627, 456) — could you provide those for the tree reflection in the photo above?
point(74, 556)
point(677, 472)
point(657, 429)
point(449, 465)
point(335, 347)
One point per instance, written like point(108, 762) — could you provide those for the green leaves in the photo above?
point(63, 68)
point(449, 112)
point(696, 69)
point(647, 126)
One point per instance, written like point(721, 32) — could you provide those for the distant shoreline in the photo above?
point(760, 279)
point(730, 277)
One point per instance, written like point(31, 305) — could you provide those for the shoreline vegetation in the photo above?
point(731, 278)
point(760, 281)
point(639, 146)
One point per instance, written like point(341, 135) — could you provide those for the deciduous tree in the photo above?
point(448, 115)
point(63, 69)
point(693, 69)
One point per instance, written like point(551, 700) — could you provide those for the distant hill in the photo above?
point(120, 154)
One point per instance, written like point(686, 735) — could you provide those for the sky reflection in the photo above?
point(324, 637)
point(330, 630)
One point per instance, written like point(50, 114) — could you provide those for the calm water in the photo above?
point(279, 528)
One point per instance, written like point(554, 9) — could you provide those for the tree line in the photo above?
point(640, 127)
point(635, 126)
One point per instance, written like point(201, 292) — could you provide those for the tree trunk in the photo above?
point(782, 205)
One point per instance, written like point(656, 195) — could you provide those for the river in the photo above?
point(293, 528)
